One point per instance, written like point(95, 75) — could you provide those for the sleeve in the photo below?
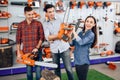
point(86, 40)
point(19, 34)
point(46, 31)
point(41, 32)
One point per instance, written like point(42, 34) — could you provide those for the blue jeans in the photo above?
point(37, 69)
point(66, 61)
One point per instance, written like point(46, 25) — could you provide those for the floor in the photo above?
point(99, 67)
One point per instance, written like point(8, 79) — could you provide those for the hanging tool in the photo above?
point(59, 6)
point(29, 59)
point(98, 4)
point(106, 5)
point(117, 28)
point(72, 4)
point(80, 4)
point(90, 4)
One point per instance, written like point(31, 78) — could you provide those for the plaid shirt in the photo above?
point(29, 35)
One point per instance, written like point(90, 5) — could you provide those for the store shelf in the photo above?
point(19, 68)
point(3, 18)
point(3, 5)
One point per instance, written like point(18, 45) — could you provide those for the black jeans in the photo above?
point(66, 61)
point(82, 71)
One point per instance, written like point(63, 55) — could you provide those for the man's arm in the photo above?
point(52, 37)
point(18, 51)
point(41, 38)
point(39, 44)
point(18, 41)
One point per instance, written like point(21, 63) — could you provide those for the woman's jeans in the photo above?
point(66, 61)
point(82, 71)
point(37, 69)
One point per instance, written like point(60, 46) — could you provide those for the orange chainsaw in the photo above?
point(29, 59)
point(65, 29)
point(64, 32)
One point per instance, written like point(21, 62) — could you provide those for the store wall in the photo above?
point(76, 13)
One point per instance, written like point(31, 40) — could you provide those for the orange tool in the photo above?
point(65, 29)
point(28, 59)
point(81, 4)
point(64, 32)
point(72, 4)
point(29, 2)
point(90, 4)
point(99, 4)
point(47, 52)
point(4, 41)
point(112, 65)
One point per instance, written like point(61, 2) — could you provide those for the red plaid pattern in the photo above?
point(29, 35)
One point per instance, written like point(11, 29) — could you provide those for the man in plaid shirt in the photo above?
point(30, 36)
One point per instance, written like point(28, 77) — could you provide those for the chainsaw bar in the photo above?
point(42, 63)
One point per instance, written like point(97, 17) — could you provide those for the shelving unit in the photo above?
point(4, 19)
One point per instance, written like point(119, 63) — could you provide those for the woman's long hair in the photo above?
point(94, 30)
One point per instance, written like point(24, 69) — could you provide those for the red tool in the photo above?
point(112, 65)
point(28, 59)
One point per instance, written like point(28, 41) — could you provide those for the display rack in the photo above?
point(4, 15)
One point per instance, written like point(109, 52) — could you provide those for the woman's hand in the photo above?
point(74, 33)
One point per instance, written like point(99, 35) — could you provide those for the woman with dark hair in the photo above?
point(82, 41)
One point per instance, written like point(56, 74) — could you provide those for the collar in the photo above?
point(87, 31)
point(27, 23)
point(48, 20)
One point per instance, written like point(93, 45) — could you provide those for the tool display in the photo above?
point(19, 3)
point(29, 59)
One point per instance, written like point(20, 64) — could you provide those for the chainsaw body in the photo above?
point(28, 58)
point(64, 32)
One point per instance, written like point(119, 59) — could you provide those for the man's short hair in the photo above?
point(48, 6)
point(28, 8)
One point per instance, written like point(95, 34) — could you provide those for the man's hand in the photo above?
point(35, 50)
point(19, 55)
